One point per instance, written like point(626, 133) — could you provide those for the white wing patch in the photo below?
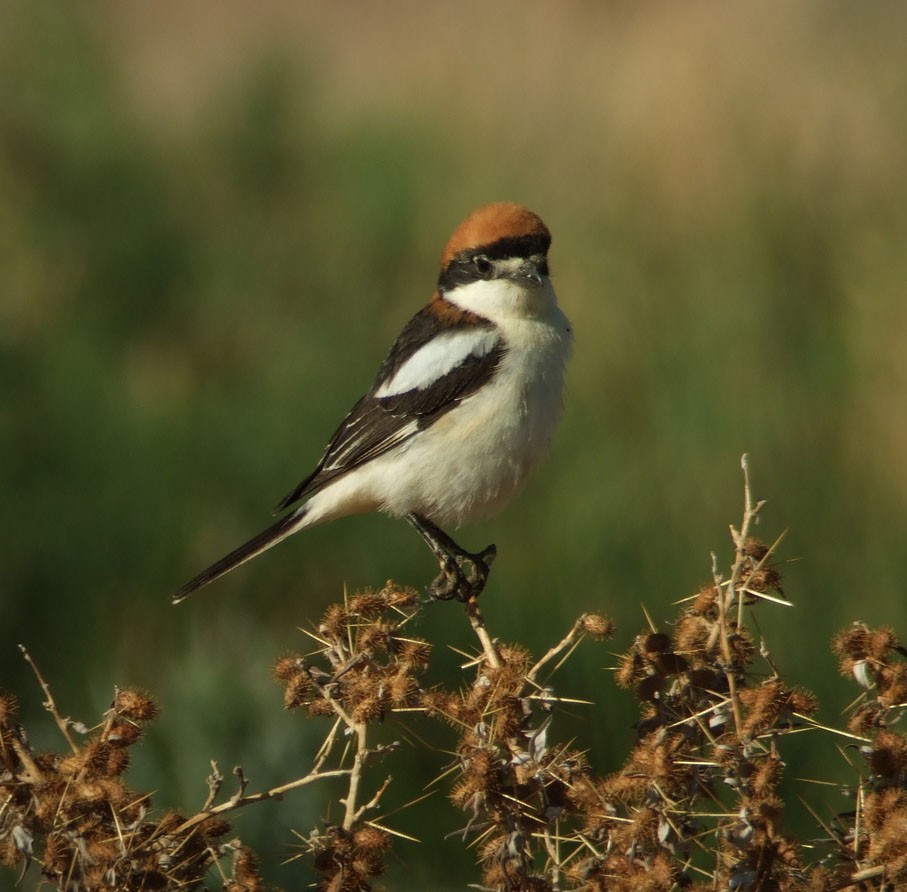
point(441, 355)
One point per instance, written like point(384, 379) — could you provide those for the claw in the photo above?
point(446, 584)
point(463, 575)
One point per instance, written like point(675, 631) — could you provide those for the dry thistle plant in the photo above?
point(696, 805)
point(371, 669)
point(515, 783)
point(73, 813)
point(873, 838)
point(511, 782)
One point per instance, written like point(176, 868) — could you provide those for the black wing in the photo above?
point(377, 424)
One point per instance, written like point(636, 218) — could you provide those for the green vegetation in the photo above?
point(211, 228)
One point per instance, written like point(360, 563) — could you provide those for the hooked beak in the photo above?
point(529, 271)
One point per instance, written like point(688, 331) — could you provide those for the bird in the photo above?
point(463, 407)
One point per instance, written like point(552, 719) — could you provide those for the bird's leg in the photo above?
point(463, 574)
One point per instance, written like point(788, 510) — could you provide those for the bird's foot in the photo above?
point(463, 575)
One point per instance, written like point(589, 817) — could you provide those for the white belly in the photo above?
point(471, 461)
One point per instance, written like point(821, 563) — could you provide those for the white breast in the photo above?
point(471, 461)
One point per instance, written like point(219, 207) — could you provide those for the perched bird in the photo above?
point(463, 407)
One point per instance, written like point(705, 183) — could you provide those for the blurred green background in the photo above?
point(214, 218)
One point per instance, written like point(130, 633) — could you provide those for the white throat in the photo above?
point(501, 300)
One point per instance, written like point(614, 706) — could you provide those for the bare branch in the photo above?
point(477, 621)
point(236, 802)
point(49, 703)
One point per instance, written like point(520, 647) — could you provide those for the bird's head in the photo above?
point(499, 250)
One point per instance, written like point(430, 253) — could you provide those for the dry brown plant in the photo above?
point(696, 805)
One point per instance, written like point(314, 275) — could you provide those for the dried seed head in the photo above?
point(399, 597)
point(442, 704)
point(893, 685)
point(770, 807)
point(707, 678)
point(879, 806)
point(644, 826)
point(415, 652)
point(515, 658)
point(334, 622)
point(367, 604)
point(369, 708)
point(299, 691)
point(755, 549)
point(135, 705)
point(693, 637)
point(766, 776)
point(705, 603)
point(319, 706)
point(49, 798)
point(367, 864)
point(402, 689)
point(467, 795)
point(630, 670)
point(803, 702)
point(169, 821)
point(380, 634)
point(888, 757)
point(766, 578)
point(214, 828)
point(851, 643)
point(94, 757)
point(123, 733)
point(288, 667)
point(58, 854)
point(117, 762)
point(763, 705)
point(597, 626)
point(743, 649)
point(89, 792)
point(494, 876)
point(371, 838)
point(245, 870)
point(881, 642)
point(70, 766)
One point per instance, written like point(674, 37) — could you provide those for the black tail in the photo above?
point(279, 531)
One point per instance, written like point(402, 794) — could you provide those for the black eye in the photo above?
point(484, 267)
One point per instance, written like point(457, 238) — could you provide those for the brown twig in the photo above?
point(726, 599)
point(361, 731)
point(49, 704)
point(570, 640)
point(373, 802)
point(477, 621)
point(236, 802)
point(750, 514)
point(215, 781)
point(725, 644)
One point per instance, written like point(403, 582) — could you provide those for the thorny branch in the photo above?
point(49, 703)
point(726, 601)
point(570, 640)
point(696, 805)
point(242, 799)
